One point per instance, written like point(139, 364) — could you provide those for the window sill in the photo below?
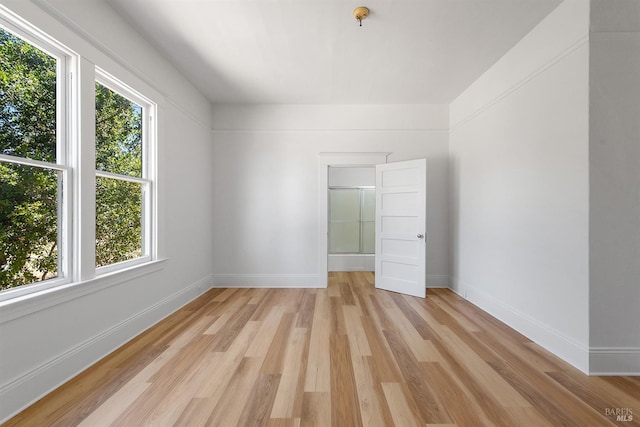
point(28, 304)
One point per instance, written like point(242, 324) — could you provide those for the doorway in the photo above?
point(351, 218)
point(325, 161)
point(400, 219)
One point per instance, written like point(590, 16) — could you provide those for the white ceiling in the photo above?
point(303, 51)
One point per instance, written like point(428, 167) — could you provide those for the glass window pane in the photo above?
point(344, 237)
point(369, 205)
point(29, 205)
point(344, 204)
point(368, 237)
point(27, 100)
point(118, 221)
point(118, 133)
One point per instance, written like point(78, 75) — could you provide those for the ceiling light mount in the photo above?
point(361, 13)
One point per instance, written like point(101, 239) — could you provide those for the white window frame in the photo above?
point(66, 61)
point(75, 139)
point(147, 182)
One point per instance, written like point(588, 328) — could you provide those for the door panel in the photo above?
point(400, 227)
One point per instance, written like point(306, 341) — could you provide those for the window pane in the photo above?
point(344, 237)
point(29, 200)
point(344, 204)
point(118, 221)
point(27, 100)
point(118, 133)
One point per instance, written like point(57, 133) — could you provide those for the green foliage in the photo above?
point(28, 226)
point(28, 97)
point(118, 133)
point(118, 221)
point(118, 203)
point(29, 195)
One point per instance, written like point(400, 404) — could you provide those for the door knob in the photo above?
point(420, 236)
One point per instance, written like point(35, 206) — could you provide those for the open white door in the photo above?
point(401, 204)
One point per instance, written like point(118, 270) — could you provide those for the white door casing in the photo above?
point(401, 204)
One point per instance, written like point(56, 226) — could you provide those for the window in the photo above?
point(34, 174)
point(123, 175)
point(352, 220)
point(48, 228)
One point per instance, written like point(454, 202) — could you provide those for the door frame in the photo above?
point(325, 160)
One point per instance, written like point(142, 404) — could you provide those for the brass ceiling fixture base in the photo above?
point(361, 13)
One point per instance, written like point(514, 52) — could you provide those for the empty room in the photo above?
point(297, 213)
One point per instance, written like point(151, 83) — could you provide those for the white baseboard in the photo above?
point(351, 262)
point(438, 281)
point(607, 361)
point(296, 281)
point(30, 386)
point(268, 281)
point(557, 343)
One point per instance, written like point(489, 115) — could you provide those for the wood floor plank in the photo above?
point(373, 405)
point(481, 369)
point(285, 401)
point(307, 308)
point(316, 409)
point(233, 327)
point(346, 355)
point(355, 331)
point(107, 413)
point(403, 413)
point(461, 407)
point(260, 403)
point(317, 376)
point(268, 328)
point(229, 408)
point(410, 335)
point(346, 294)
point(284, 422)
point(224, 365)
point(344, 394)
point(429, 404)
point(274, 359)
point(195, 414)
point(592, 391)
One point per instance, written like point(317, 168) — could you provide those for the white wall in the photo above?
point(46, 340)
point(614, 154)
point(520, 191)
point(265, 164)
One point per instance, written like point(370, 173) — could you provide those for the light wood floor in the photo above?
point(348, 355)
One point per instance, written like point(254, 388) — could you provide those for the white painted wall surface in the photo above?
point(266, 182)
point(520, 190)
point(615, 179)
point(45, 341)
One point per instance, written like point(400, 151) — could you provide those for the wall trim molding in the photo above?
point(522, 82)
point(542, 334)
point(438, 281)
point(268, 281)
point(31, 303)
point(28, 387)
point(325, 130)
point(55, 13)
point(608, 361)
